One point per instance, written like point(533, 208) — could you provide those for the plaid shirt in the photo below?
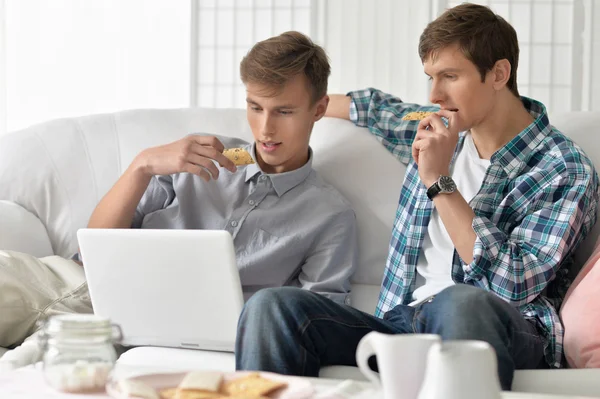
point(536, 203)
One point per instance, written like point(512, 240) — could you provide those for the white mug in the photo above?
point(401, 360)
point(461, 370)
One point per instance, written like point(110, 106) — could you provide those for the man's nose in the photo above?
point(436, 95)
point(267, 127)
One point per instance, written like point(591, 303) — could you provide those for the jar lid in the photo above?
point(78, 325)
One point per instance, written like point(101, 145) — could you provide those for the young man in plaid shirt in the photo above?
point(494, 202)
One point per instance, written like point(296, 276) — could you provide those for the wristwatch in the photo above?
point(443, 185)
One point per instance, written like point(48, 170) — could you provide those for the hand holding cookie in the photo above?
point(434, 145)
point(192, 154)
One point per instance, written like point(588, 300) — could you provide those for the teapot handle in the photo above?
point(117, 335)
point(429, 386)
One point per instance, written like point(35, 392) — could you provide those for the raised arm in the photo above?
point(117, 207)
point(382, 113)
point(339, 106)
point(192, 154)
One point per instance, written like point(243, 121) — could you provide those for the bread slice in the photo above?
point(200, 385)
point(136, 389)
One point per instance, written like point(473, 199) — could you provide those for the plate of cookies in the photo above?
point(211, 385)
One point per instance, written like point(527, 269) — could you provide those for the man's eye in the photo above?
point(255, 108)
point(285, 112)
point(450, 76)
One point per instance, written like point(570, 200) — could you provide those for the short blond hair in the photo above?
point(275, 61)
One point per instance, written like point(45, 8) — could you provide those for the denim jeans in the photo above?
point(293, 331)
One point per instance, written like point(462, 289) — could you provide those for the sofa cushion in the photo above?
point(581, 128)
point(370, 177)
point(21, 231)
point(580, 314)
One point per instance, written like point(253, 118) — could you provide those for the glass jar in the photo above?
point(78, 351)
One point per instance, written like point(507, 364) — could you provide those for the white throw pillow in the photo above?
point(22, 231)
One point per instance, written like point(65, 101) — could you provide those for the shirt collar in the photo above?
point(517, 151)
point(282, 182)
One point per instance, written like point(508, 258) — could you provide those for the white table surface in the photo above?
point(28, 382)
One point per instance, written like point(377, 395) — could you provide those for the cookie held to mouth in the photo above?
point(239, 156)
point(416, 116)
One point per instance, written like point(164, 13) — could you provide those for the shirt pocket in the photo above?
point(260, 241)
point(260, 260)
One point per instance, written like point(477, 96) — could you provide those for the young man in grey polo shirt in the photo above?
point(290, 228)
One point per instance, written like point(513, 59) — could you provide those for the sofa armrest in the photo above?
point(581, 382)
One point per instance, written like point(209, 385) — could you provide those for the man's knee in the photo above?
point(274, 297)
point(466, 299)
point(463, 311)
point(273, 303)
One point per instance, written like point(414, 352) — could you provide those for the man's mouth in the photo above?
point(269, 146)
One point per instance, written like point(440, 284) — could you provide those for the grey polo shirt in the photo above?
point(288, 229)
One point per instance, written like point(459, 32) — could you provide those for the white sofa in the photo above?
point(52, 176)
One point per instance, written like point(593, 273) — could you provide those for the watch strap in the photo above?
point(433, 190)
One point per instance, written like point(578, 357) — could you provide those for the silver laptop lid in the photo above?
point(175, 288)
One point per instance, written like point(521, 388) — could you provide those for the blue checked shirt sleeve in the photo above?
point(519, 265)
point(382, 113)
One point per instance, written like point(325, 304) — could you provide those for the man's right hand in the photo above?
point(192, 154)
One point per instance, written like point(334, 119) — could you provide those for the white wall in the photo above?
point(2, 69)
point(224, 31)
point(75, 57)
point(375, 43)
point(595, 57)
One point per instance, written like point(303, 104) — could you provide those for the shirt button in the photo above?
point(233, 223)
point(347, 301)
point(263, 178)
point(251, 202)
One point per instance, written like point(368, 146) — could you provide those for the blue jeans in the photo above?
point(293, 331)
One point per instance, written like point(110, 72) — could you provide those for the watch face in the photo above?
point(446, 184)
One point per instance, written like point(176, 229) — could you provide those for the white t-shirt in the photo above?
point(434, 267)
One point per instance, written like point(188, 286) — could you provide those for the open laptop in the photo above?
point(175, 288)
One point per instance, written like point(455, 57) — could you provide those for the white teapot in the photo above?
point(421, 366)
point(461, 370)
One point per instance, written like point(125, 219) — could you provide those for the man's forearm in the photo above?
point(457, 217)
point(117, 208)
point(339, 106)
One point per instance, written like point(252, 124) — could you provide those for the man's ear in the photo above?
point(501, 73)
point(321, 107)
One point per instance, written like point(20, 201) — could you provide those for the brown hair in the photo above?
point(276, 60)
point(483, 37)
